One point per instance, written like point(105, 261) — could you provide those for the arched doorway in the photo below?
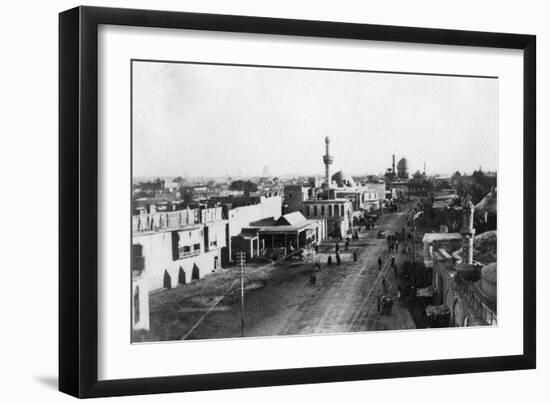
point(181, 277)
point(196, 272)
point(136, 305)
point(167, 282)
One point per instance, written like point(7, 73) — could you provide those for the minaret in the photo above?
point(467, 231)
point(327, 159)
point(393, 164)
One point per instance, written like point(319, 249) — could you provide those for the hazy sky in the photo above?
point(204, 120)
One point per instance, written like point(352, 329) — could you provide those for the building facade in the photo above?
point(466, 288)
point(172, 248)
point(336, 212)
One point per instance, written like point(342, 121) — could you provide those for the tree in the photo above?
point(155, 185)
point(244, 186)
point(477, 185)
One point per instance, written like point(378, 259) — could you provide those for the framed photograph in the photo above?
point(250, 201)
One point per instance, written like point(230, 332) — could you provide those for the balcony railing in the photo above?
point(187, 253)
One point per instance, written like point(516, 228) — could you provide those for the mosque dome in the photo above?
point(489, 280)
point(403, 169)
point(343, 180)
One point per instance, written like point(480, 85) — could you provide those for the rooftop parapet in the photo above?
point(159, 221)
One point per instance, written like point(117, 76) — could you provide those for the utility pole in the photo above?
point(415, 216)
point(241, 257)
point(414, 240)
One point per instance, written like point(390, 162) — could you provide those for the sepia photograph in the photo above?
point(273, 201)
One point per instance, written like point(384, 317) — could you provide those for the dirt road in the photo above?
point(342, 300)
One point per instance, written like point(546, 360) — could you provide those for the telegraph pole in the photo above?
point(241, 255)
point(414, 245)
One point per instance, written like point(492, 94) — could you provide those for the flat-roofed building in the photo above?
point(287, 234)
point(337, 213)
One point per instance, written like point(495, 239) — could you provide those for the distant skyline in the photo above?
point(214, 121)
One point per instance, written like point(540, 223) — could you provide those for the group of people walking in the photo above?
point(384, 304)
point(397, 238)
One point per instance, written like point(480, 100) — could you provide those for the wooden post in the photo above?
point(241, 259)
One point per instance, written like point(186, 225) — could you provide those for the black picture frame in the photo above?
point(78, 200)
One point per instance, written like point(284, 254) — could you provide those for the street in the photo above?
point(343, 298)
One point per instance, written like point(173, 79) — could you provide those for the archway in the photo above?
point(196, 272)
point(181, 277)
point(167, 282)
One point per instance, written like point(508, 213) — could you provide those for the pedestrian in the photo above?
point(337, 248)
point(379, 263)
point(393, 261)
point(390, 305)
point(384, 283)
point(355, 256)
point(329, 261)
point(338, 259)
point(378, 299)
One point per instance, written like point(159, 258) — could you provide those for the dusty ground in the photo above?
point(279, 301)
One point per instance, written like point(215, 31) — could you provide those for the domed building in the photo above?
point(488, 280)
point(343, 180)
point(462, 285)
point(403, 169)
